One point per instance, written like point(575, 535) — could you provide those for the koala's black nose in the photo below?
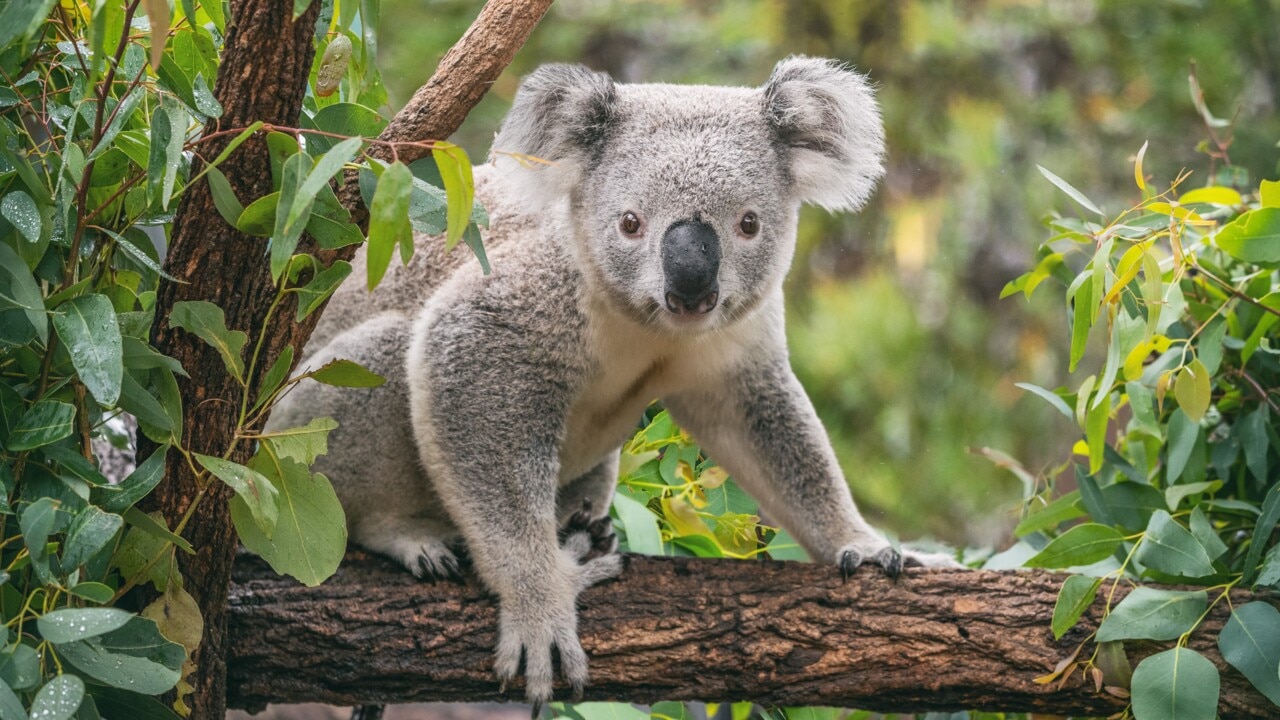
point(691, 263)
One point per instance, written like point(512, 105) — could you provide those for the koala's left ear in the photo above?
point(826, 118)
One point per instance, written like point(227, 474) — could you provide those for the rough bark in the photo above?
point(781, 634)
point(263, 76)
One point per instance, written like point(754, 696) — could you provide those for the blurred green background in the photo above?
point(895, 322)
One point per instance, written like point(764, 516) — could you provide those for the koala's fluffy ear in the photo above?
point(826, 117)
point(560, 113)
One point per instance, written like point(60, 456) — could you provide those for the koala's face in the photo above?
point(685, 215)
point(684, 199)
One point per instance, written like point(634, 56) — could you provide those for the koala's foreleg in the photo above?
point(491, 446)
point(762, 428)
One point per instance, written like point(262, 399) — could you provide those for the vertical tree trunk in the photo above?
point(265, 65)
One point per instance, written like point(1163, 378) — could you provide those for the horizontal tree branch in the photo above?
point(777, 633)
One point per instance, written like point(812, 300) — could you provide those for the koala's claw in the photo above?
point(889, 559)
point(588, 538)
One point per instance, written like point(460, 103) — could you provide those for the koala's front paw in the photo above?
point(891, 560)
point(533, 635)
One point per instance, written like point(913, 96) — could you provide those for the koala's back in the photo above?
point(405, 288)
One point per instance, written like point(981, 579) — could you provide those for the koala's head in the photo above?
point(683, 199)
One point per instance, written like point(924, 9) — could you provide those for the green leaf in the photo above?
point(1131, 504)
point(94, 592)
point(1269, 193)
point(224, 198)
point(20, 666)
point(256, 491)
point(59, 699)
point(21, 286)
point(346, 373)
point(639, 525)
point(72, 624)
point(1177, 684)
point(136, 486)
point(330, 164)
point(1172, 549)
point(1253, 237)
point(1270, 573)
point(274, 376)
point(87, 326)
point(305, 443)
point(1071, 192)
point(258, 219)
point(1250, 641)
point(206, 321)
point(311, 533)
point(285, 236)
point(1183, 432)
point(154, 525)
point(1267, 521)
point(1074, 598)
point(321, 287)
point(330, 233)
point(48, 421)
point(1052, 398)
point(388, 219)
point(1081, 545)
point(347, 119)
point(1205, 532)
point(19, 209)
point(1193, 388)
point(1095, 426)
point(10, 706)
point(459, 188)
point(1061, 509)
point(136, 657)
point(19, 19)
point(1081, 320)
point(1153, 614)
point(1252, 432)
point(89, 533)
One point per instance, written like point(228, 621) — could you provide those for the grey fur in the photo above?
point(508, 396)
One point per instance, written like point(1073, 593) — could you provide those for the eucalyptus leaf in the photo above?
point(1250, 641)
point(72, 624)
point(1172, 549)
point(1081, 545)
point(87, 326)
point(1177, 684)
point(311, 533)
point(1149, 613)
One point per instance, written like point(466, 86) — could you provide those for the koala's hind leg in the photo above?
point(583, 509)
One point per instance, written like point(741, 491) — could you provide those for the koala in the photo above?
point(643, 260)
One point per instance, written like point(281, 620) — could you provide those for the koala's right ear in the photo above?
point(561, 112)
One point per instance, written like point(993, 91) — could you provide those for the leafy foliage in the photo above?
point(102, 130)
point(1176, 471)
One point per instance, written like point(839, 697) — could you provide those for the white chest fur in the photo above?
point(636, 366)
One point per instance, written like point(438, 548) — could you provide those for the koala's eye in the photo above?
point(630, 223)
point(750, 224)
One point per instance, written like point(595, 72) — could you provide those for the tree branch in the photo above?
point(780, 634)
